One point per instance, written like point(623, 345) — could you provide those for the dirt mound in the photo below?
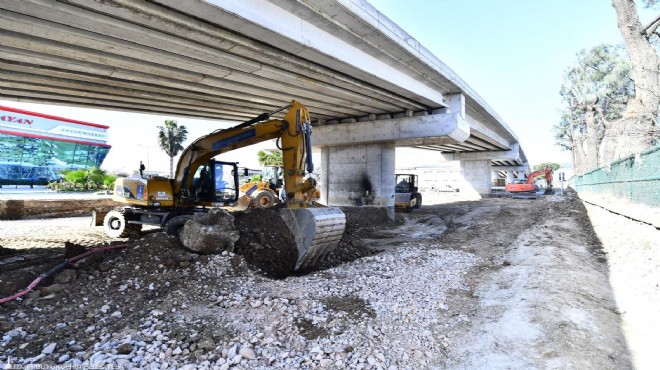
point(266, 242)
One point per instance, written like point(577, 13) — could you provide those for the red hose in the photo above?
point(58, 268)
point(22, 292)
point(100, 249)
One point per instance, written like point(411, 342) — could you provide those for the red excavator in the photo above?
point(528, 185)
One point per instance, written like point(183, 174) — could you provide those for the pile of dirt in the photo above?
point(266, 242)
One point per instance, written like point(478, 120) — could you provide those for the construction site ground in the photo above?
point(490, 284)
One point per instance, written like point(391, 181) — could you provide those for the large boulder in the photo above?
point(210, 233)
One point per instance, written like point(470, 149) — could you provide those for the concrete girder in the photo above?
point(482, 143)
point(170, 22)
point(510, 155)
point(299, 31)
point(403, 131)
point(142, 58)
point(86, 69)
point(482, 132)
point(35, 96)
point(521, 168)
point(229, 66)
point(144, 73)
point(11, 86)
point(133, 93)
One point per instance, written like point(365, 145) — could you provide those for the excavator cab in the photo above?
point(216, 182)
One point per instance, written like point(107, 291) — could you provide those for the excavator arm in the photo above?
point(293, 133)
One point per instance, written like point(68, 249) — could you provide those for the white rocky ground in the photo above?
point(498, 283)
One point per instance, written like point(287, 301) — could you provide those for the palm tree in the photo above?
point(270, 158)
point(170, 138)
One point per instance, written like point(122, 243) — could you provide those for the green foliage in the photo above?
point(542, 166)
point(82, 179)
point(255, 178)
point(109, 181)
point(171, 137)
point(270, 158)
point(598, 81)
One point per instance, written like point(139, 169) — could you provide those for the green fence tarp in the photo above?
point(636, 178)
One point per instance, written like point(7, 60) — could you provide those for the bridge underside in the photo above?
point(350, 65)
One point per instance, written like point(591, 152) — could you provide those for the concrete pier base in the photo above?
point(476, 176)
point(349, 172)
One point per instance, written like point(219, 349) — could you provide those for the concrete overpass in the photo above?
point(368, 84)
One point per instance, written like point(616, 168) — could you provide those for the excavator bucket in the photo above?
point(316, 230)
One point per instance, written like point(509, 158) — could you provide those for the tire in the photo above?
point(175, 224)
point(418, 198)
point(116, 226)
point(263, 199)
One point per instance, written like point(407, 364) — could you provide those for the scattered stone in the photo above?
point(210, 233)
point(206, 344)
point(55, 288)
point(49, 348)
point(66, 276)
point(124, 349)
point(248, 353)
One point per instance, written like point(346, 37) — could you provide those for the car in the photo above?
point(445, 188)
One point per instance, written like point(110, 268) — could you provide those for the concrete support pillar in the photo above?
point(347, 172)
point(476, 176)
point(509, 177)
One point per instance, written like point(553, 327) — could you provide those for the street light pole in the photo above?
point(148, 147)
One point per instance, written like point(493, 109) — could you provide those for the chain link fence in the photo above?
point(636, 178)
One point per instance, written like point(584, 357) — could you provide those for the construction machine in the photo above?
point(406, 193)
point(201, 183)
point(264, 193)
point(528, 186)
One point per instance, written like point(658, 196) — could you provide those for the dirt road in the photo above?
point(497, 283)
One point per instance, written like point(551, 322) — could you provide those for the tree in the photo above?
point(270, 158)
point(553, 166)
point(596, 89)
point(638, 128)
point(170, 138)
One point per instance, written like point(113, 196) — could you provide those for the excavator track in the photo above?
point(317, 232)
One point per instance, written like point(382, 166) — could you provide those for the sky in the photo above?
point(513, 53)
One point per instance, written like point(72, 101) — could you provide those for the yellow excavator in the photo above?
point(201, 183)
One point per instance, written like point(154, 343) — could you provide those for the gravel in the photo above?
point(156, 306)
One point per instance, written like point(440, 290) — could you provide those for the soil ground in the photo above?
point(540, 295)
